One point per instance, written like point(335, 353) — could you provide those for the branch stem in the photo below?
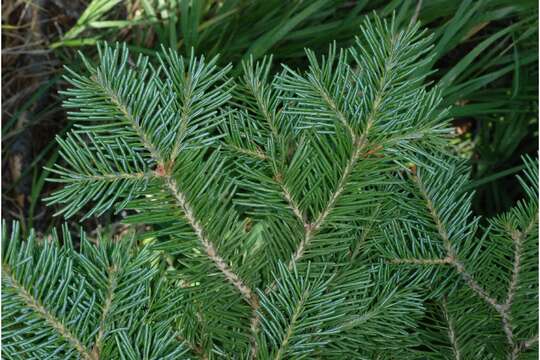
point(209, 248)
point(451, 331)
point(111, 287)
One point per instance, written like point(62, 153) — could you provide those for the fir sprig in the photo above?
point(103, 301)
point(308, 214)
point(489, 261)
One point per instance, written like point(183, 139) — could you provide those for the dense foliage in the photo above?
point(311, 214)
point(486, 58)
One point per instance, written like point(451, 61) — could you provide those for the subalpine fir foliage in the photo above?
point(312, 214)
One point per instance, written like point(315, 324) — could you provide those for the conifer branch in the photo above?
point(256, 89)
point(289, 198)
point(451, 331)
point(112, 282)
point(524, 346)
point(208, 246)
point(366, 231)
point(184, 117)
point(414, 261)
point(318, 192)
point(310, 229)
point(473, 284)
point(256, 154)
point(124, 109)
point(517, 238)
point(163, 170)
point(199, 93)
point(62, 303)
point(359, 144)
point(45, 314)
point(504, 309)
point(263, 106)
point(290, 328)
point(113, 177)
point(451, 254)
point(334, 107)
point(359, 319)
point(172, 186)
point(441, 229)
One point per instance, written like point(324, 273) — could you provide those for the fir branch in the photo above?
point(451, 254)
point(443, 261)
point(435, 216)
point(45, 314)
point(360, 319)
point(473, 284)
point(256, 154)
point(359, 146)
point(208, 246)
point(298, 318)
point(171, 185)
point(310, 229)
point(49, 291)
point(518, 238)
point(523, 346)
point(113, 177)
point(338, 113)
point(502, 308)
point(375, 309)
point(184, 117)
point(124, 109)
point(111, 288)
point(197, 349)
point(359, 141)
point(292, 203)
point(326, 146)
point(255, 84)
point(366, 231)
point(199, 91)
point(451, 331)
point(293, 322)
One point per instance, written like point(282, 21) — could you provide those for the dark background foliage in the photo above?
point(486, 60)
